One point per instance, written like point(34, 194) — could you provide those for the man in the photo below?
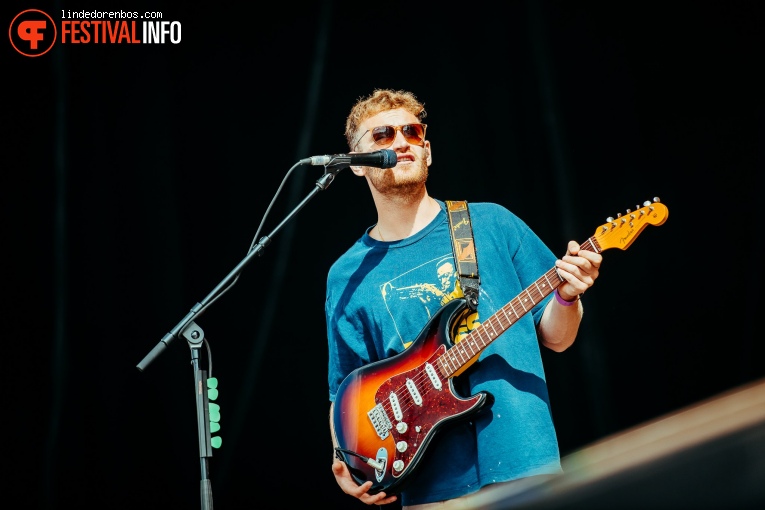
point(514, 437)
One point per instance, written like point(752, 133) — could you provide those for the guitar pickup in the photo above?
point(433, 376)
point(394, 404)
point(414, 392)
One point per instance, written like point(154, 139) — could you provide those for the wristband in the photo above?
point(562, 301)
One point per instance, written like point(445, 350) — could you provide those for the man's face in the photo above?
point(411, 170)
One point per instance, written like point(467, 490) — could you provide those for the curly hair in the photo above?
point(379, 101)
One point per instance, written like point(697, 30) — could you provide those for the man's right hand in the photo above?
point(350, 487)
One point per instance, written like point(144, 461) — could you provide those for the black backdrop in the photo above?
point(134, 179)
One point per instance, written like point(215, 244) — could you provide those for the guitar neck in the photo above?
point(473, 344)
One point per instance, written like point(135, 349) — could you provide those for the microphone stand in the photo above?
point(195, 338)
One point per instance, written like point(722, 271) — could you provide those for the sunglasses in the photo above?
point(383, 136)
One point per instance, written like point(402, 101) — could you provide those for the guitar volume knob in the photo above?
point(401, 427)
point(398, 465)
point(401, 446)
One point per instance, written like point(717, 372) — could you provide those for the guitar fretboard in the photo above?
point(471, 346)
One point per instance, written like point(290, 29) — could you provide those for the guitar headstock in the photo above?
point(621, 231)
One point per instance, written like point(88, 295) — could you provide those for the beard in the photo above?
point(409, 184)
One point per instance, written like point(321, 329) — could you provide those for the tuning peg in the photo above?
point(649, 202)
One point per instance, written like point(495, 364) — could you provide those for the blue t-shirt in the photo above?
point(380, 296)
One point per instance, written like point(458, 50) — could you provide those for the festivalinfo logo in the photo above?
point(34, 32)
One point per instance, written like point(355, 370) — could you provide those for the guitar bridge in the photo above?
point(380, 421)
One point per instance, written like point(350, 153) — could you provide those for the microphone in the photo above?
point(384, 158)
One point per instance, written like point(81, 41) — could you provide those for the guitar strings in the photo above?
point(460, 348)
point(464, 351)
point(481, 335)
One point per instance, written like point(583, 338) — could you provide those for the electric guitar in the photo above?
point(387, 412)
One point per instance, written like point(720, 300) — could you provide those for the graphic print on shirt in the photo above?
point(414, 296)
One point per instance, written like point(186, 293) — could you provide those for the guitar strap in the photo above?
point(464, 250)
